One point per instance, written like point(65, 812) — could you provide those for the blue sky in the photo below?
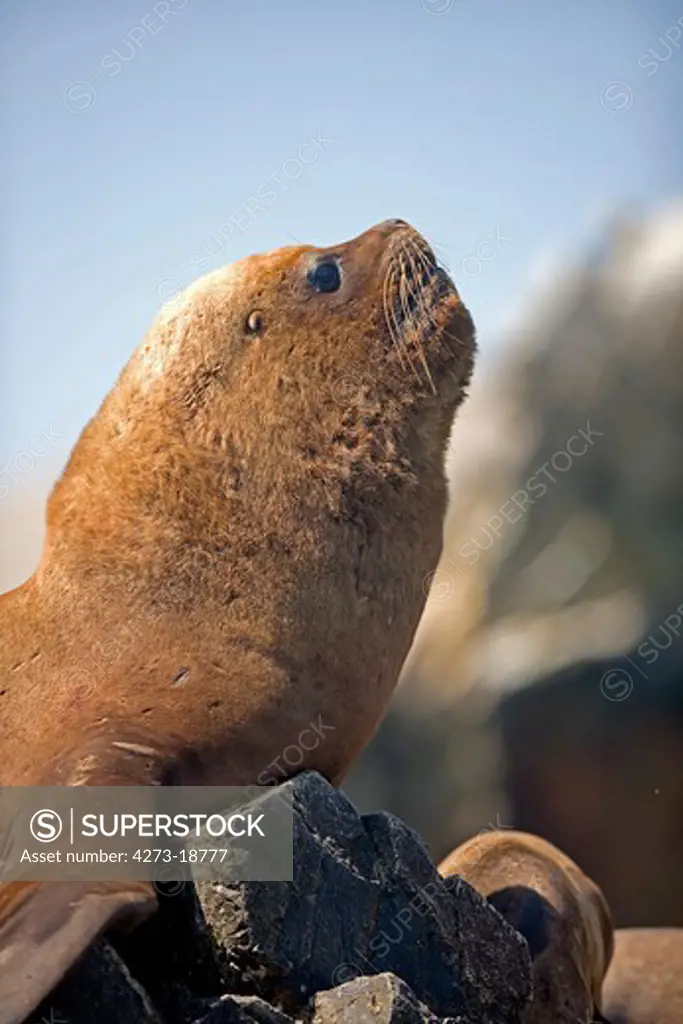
point(133, 131)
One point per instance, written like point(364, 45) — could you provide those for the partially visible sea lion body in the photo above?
point(561, 913)
point(644, 984)
point(236, 552)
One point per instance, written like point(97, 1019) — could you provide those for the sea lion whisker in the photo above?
point(409, 296)
point(415, 304)
point(412, 296)
point(389, 297)
point(404, 295)
point(427, 267)
point(427, 311)
point(387, 305)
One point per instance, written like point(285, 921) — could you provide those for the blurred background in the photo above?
point(540, 148)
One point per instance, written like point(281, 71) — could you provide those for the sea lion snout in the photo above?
point(394, 222)
point(396, 316)
point(398, 236)
point(386, 228)
point(388, 238)
point(374, 247)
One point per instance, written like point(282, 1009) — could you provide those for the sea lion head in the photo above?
point(340, 367)
point(355, 346)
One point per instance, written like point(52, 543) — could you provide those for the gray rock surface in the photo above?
point(243, 1010)
point(366, 931)
point(382, 999)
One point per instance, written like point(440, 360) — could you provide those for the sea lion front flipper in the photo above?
point(46, 926)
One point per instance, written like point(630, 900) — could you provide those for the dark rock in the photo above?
point(366, 899)
point(382, 999)
point(99, 990)
point(174, 956)
point(243, 1010)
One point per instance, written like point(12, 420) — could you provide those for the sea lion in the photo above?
point(644, 983)
point(561, 913)
point(236, 552)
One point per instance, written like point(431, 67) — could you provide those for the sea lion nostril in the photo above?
point(393, 225)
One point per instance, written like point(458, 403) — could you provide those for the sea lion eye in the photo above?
point(255, 322)
point(325, 276)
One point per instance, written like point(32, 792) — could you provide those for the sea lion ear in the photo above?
point(254, 324)
point(45, 927)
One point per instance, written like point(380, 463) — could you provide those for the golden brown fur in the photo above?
point(238, 546)
point(644, 984)
point(562, 914)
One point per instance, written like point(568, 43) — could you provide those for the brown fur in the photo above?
point(644, 984)
point(562, 914)
point(238, 546)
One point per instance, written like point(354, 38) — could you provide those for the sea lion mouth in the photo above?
point(417, 296)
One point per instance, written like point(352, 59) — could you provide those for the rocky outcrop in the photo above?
point(366, 931)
